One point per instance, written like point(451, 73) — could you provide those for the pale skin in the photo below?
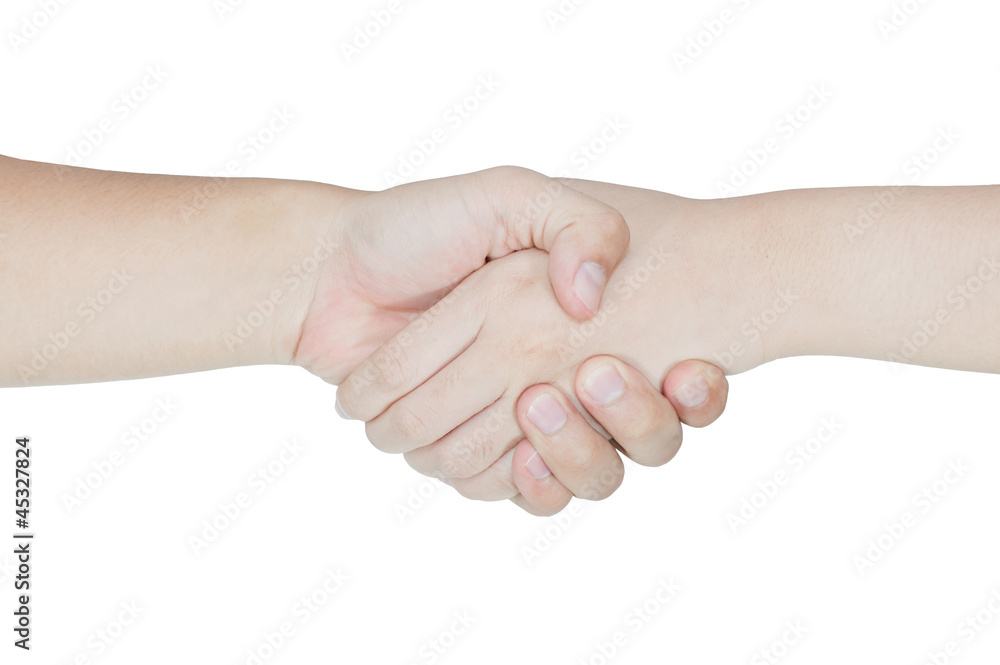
point(911, 277)
point(347, 263)
point(112, 275)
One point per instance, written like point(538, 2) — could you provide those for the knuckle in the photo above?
point(384, 372)
point(501, 487)
point(387, 370)
point(659, 450)
point(410, 427)
point(424, 462)
point(611, 220)
point(455, 463)
point(602, 485)
point(510, 172)
point(374, 432)
point(579, 456)
point(466, 491)
point(509, 180)
point(610, 223)
point(640, 430)
point(465, 458)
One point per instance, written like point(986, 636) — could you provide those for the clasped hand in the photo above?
point(507, 378)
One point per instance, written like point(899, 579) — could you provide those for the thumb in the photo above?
point(585, 238)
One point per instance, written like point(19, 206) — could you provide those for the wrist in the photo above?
point(301, 242)
point(761, 272)
point(738, 295)
point(808, 300)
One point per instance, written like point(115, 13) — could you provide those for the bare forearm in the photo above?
point(113, 275)
point(904, 274)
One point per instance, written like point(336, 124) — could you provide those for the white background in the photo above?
point(539, 590)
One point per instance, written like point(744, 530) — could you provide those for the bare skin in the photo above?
point(736, 282)
point(112, 276)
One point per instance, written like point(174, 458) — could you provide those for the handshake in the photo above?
point(505, 371)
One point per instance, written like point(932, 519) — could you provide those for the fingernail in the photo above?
point(340, 409)
point(693, 393)
point(588, 284)
point(536, 467)
point(604, 385)
point(547, 414)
